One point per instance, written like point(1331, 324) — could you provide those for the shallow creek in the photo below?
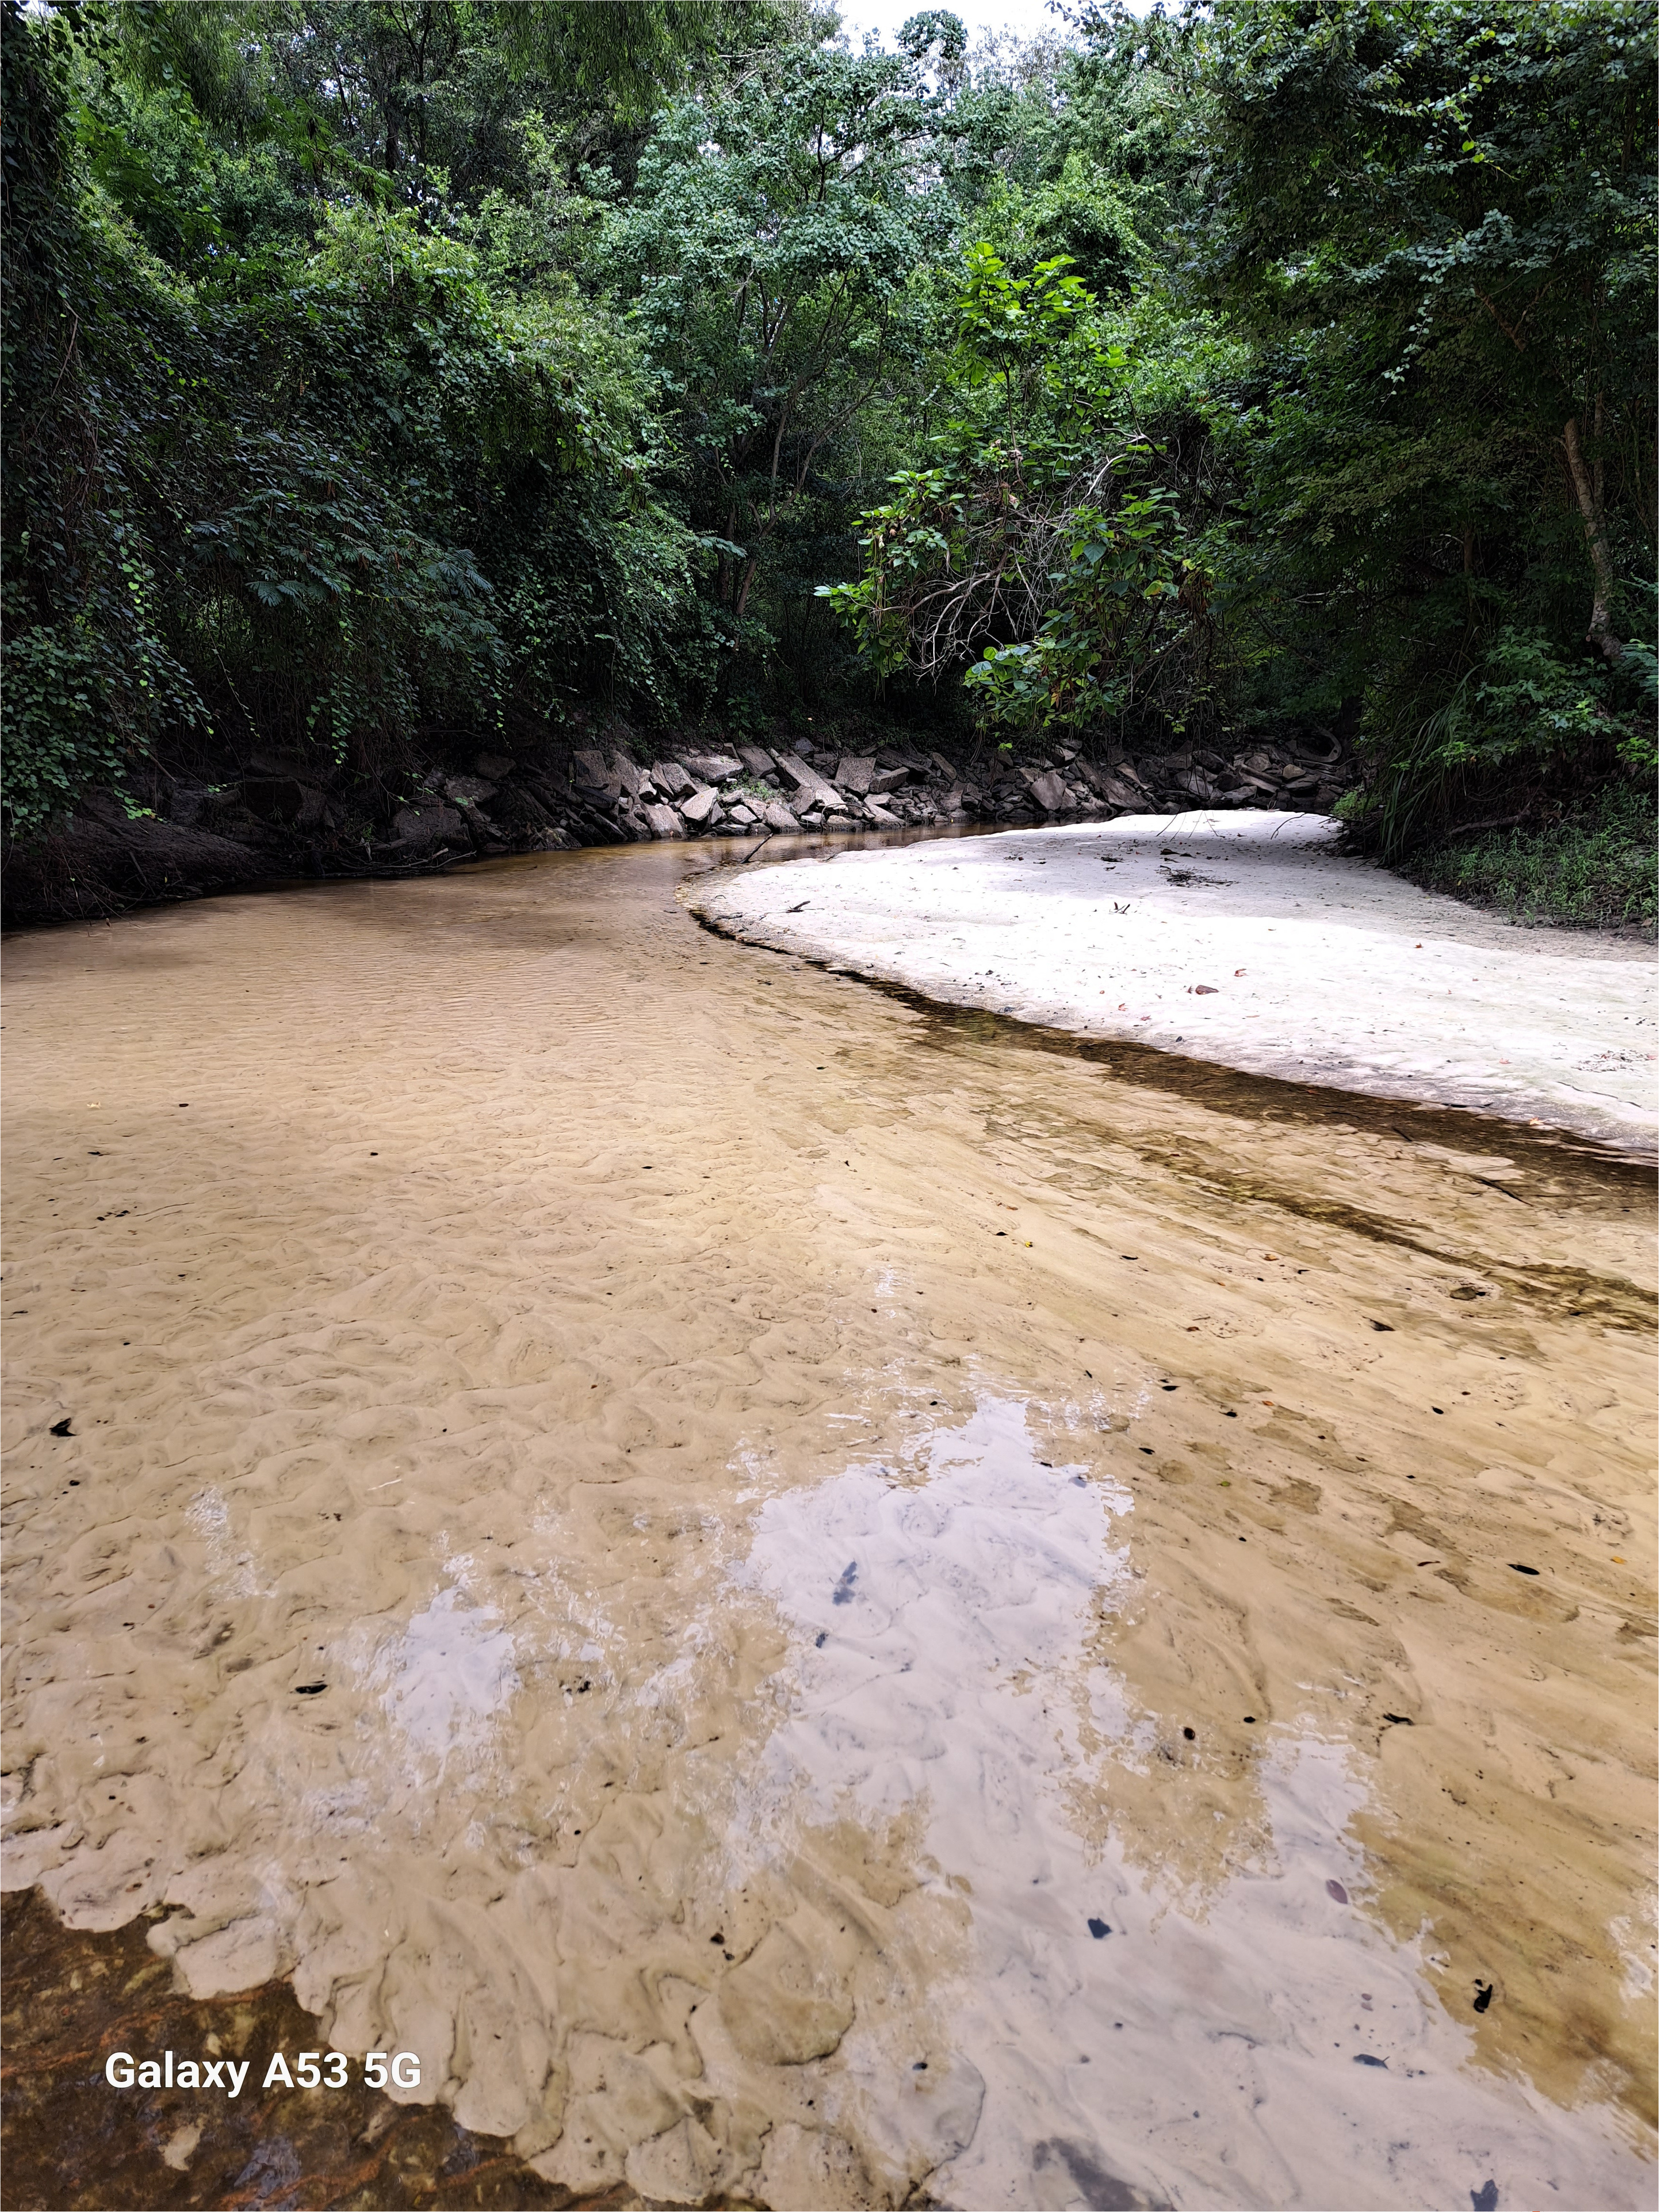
point(819, 1602)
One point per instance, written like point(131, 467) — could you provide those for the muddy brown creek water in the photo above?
point(812, 1601)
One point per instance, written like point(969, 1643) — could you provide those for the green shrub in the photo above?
point(1593, 869)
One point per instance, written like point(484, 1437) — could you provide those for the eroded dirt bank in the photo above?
point(803, 1510)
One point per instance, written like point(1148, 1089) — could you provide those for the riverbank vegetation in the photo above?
point(387, 379)
point(1593, 867)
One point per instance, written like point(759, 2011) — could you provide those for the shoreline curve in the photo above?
point(1246, 940)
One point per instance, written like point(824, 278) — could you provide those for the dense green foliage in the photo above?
point(384, 374)
point(1594, 868)
point(1442, 240)
point(280, 461)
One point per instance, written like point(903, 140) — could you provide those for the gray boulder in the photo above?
point(700, 805)
point(713, 768)
point(423, 827)
point(185, 801)
point(279, 787)
point(855, 774)
point(1116, 793)
point(807, 781)
point(671, 779)
point(1196, 784)
point(663, 822)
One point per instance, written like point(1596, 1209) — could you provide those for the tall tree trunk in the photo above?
point(1587, 483)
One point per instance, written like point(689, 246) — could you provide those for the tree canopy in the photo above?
point(381, 371)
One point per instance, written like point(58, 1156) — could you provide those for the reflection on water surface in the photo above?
point(815, 1605)
point(1221, 2022)
point(447, 1676)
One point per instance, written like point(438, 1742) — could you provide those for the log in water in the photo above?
point(811, 1599)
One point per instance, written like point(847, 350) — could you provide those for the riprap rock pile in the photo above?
point(609, 797)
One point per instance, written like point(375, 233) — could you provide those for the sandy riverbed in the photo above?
point(790, 1547)
point(1245, 939)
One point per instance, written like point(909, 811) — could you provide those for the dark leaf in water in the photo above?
point(1204, 990)
point(1482, 1996)
point(1484, 2199)
point(1400, 1720)
point(843, 1592)
point(1098, 1928)
point(62, 1428)
point(1335, 1889)
point(1364, 2058)
point(1517, 1568)
point(308, 1689)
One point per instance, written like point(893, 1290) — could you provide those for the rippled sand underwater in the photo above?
point(943, 1623)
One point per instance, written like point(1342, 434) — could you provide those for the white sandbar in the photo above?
point(1244, 940)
